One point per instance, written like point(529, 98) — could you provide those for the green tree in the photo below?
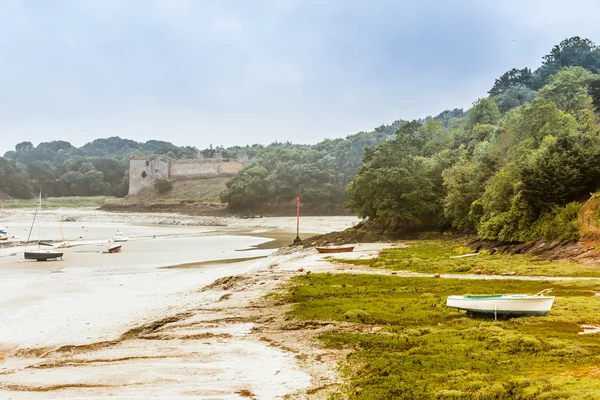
point(13, 180)
point(571, 52)
point(513, 78)
point(568, 89)
point(514, 96)
point(484, 111)
point(248, 189)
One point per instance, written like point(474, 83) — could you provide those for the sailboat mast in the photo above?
point(39, 226)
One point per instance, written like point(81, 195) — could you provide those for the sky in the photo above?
point(227, 72)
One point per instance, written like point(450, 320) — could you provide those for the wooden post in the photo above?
point(297, 240)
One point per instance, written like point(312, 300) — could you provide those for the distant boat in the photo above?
point(503, 304)
point(120, 237)
point(3, 234)
point(345, 249)
point(39, 254)
point(115, 248)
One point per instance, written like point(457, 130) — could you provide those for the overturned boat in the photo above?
point(115, 248)
point(503, 304)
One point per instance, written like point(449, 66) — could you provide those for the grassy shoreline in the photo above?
point(433, 256)
point(404, 343)
point(57, 202)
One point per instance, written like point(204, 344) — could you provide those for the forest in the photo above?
point(514, 167)
point(517, 167)
point(59, 169)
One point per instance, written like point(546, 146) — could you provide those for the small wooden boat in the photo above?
point(503, 304)
point(120, 237)
point(115, 248)
point(43, 255)
point(345, 249)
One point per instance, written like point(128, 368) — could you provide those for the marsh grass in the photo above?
point(57, 202)
point(425, 350)
point(434, 256)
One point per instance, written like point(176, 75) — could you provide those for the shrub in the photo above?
point(163, 185)
point(561, 222)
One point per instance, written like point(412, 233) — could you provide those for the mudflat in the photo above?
point(134, 323)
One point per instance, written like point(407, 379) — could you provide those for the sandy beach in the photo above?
point(155, 320)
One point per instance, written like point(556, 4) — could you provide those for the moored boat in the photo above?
point(120, 237)
point(3, 234)
point(43, 255)
point(503, 304)
point(344, 249)
point(39, 254)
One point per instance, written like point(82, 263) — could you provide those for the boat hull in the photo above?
point(42, 255)
point(115, 248)
point(335, 249)
point(502, 305)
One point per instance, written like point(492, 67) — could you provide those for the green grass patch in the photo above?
point(57, 202)
point(434, 256)
point(425, 350)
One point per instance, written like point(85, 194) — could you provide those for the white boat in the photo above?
point(120, 237)
point(503, 304)
point(3, 234)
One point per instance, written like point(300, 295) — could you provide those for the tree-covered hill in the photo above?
point(61, 169)
point(514, 169)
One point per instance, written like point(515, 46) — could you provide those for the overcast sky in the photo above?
point(228, 72)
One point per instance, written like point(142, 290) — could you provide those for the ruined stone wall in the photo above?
point(144, 173)
point(206, 168)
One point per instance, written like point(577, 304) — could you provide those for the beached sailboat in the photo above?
point(40, 254)
point(120, 237)
point(504, 304)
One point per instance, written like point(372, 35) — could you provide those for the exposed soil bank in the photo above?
point(552, 250)
point(366, 232)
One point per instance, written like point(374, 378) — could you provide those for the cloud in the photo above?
point(206, 72)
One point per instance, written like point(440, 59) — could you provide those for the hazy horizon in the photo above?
point(224, 73)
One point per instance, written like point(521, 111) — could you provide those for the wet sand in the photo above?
point(122, 325)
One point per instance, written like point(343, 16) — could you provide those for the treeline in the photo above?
point(318, 173)
point(58, 168)
point(514, 169)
